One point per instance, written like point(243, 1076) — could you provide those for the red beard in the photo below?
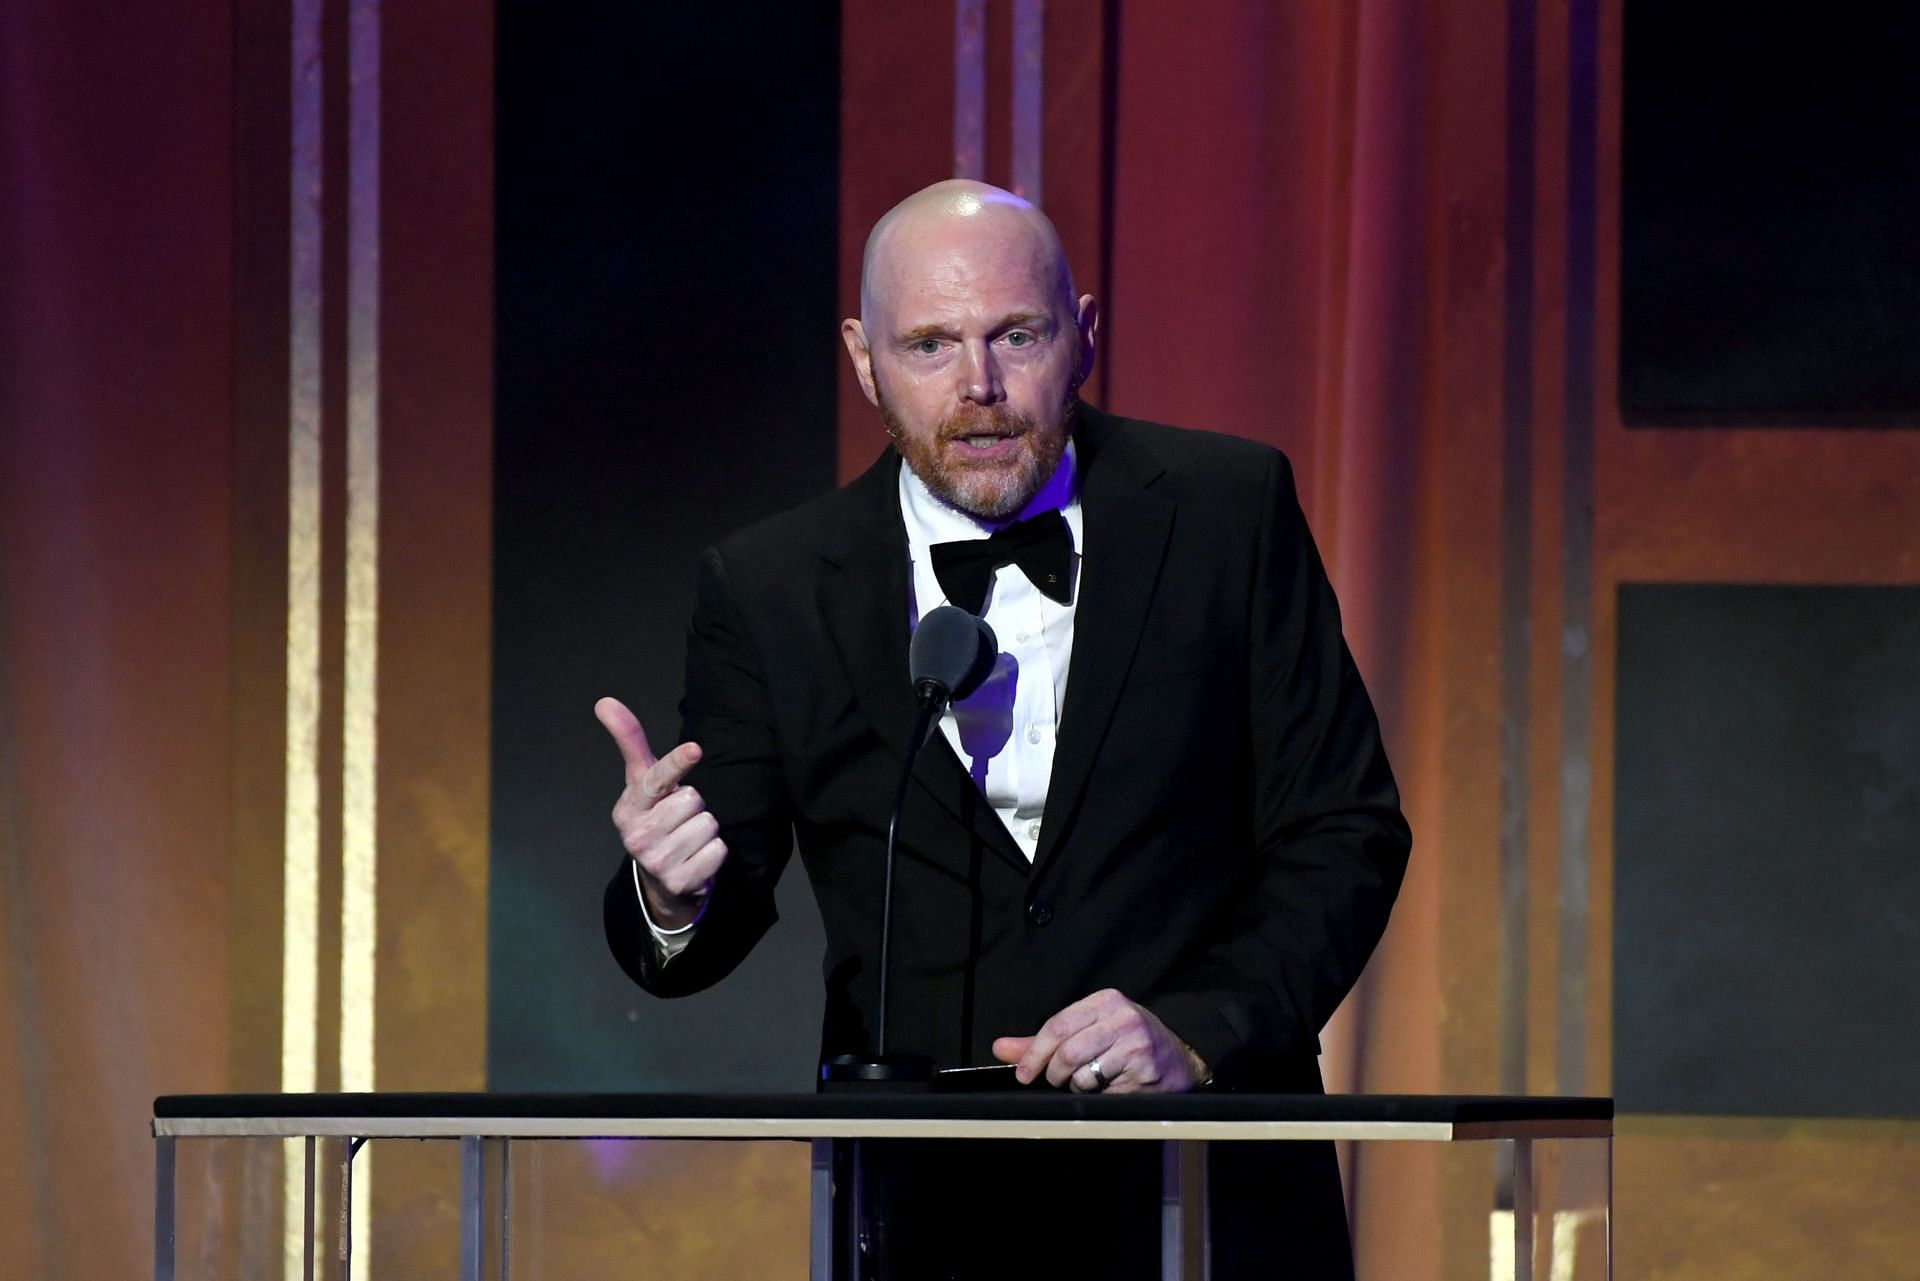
point(988, 490)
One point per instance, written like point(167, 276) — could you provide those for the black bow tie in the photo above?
point(1041, 547)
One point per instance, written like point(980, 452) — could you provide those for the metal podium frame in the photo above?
point(486, 1125)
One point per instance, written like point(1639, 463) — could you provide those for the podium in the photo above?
point(329, 1130)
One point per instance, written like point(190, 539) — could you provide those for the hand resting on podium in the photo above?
point(1105, 1043)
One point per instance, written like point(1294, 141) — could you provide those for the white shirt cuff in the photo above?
point(667, 943)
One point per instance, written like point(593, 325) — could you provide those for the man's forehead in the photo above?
point(967, 270)
point(960, 279)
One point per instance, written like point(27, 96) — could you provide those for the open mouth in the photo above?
point(986, 444)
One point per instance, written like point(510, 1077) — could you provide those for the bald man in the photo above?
point(1151, 853)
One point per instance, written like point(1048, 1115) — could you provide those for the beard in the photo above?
point(994, 489)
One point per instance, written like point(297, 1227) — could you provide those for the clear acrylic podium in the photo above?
point(1554, 1179)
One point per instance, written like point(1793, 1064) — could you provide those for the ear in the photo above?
point(1088, 323)
point(854, 335)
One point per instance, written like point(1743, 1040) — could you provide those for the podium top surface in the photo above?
point(1014, 1114)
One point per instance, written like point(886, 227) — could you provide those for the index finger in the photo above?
point(627, 735)
point(1053, 1032)
point(665, 774)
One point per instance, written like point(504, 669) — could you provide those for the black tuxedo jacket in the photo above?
point(1222, 837)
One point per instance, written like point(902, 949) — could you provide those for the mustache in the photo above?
point(984, 420)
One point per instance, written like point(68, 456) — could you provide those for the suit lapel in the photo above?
point(1126, 525)
point(867, 603)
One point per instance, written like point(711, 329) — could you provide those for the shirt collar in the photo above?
point(931, 520)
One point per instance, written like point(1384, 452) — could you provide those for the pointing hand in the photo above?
point(663, 823)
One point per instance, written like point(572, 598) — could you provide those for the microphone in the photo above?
point(951, 653)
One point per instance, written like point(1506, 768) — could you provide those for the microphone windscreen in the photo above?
point(953, 650)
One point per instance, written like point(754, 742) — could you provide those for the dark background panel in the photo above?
point(1767, 850)
point(1770, 188)
point(666, 348)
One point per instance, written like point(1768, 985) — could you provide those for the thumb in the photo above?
point(624, 726)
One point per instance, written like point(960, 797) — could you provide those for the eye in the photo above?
point(1019, 338)
point(928, 346)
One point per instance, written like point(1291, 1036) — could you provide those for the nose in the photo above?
point(979, 375)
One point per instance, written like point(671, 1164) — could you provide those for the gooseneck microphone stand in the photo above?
point(905, 1071)
point(952, 653)
point(933, 701)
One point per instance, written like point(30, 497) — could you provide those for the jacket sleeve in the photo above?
point(1331, 845)
point(726, 709)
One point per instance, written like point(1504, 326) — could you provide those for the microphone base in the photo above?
point(904, 1073)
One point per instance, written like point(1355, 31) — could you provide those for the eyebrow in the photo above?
point(1014, 321)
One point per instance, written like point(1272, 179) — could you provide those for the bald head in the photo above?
point(923, 235)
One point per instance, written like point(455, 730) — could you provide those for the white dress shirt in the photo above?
point(1003, 732)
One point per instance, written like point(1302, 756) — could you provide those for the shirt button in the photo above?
point(1033, 830)
point(1040, 912)
point(1023, 637)
point(1033, 733)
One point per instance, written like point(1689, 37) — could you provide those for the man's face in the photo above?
point(974, 358)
